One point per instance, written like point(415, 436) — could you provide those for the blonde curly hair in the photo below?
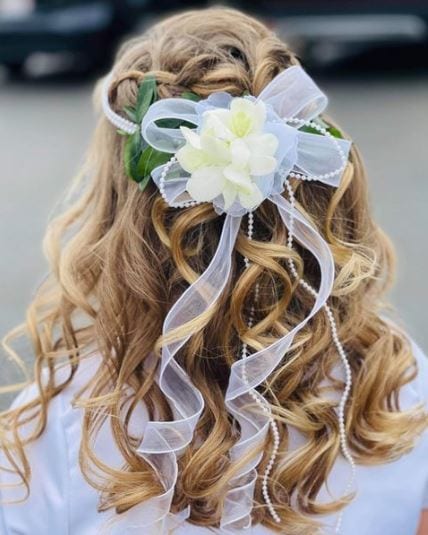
point(120, 258)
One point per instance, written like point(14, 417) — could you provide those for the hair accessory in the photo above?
point(240, 152)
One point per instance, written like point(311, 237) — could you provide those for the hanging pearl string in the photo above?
point(343, 356)
point(259, 399)
point(120, 122)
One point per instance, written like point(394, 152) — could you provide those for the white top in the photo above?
point(389, 498)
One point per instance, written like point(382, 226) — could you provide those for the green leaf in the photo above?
point(150, 159)
point(132, 154)
point(309, 130)
point(142, 185)
point(130, 112)
point(191, 96)
point(335, 132)
point(173, 123)
point(169, 123)
point(146, 95)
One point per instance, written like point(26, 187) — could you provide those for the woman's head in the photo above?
point(121, 257)
point(188, 52)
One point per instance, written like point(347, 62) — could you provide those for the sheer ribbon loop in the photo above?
point(166, 138)
point(293, 93)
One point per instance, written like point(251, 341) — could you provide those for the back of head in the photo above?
point(121, 257)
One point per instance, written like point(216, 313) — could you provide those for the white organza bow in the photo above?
point(291, 95)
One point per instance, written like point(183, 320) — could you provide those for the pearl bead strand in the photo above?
point(343, 356)
point(259, 399)
point(117, 120)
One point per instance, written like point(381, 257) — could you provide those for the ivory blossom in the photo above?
point(230, 150)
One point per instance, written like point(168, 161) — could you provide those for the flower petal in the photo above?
point(251, 199)
point(190, 158)
point(216, 150)
point(266, 144)
point(206, 183)
point(260, 114)
point(239, 153)
point(216, 123)
point(239, 177)
point(191, 137)
point(229, 194)
point(262, 165)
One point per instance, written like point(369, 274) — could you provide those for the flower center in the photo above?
point(241, 124)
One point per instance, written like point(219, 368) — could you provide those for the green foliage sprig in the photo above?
point(140, 158)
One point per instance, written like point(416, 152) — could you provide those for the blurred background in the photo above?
point(369, 55)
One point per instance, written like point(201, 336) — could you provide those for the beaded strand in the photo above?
point(343, 356)
point(257, 398)
point(120, 122)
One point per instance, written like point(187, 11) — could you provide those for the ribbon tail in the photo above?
point(164, 441)
point(245, 403)
point(175, 183)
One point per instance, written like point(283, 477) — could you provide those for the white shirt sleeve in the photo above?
point(60, 502)
point(45, 511)
point(422, 384)
point(3, 528)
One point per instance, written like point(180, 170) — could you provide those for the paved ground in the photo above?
point(44, 130)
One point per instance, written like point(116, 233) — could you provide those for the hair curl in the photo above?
point(120, 258)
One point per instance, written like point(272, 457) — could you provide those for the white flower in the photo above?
point(230, 151)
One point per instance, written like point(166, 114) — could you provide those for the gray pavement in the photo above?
point(44, 130)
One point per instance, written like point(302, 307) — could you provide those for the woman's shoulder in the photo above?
point(64, 416)
point(415, 391)
point(421, 380)
point(57, 404)
point(53, 460)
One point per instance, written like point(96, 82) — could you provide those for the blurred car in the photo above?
point(323, 31)
point(328, 31)
point(79, 28)
point(88, 31)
